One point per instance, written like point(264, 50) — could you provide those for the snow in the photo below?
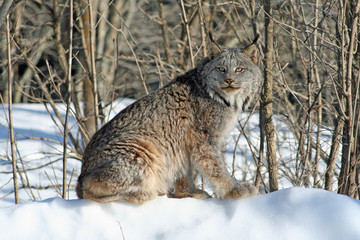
point(295, 213)
point(291, 213)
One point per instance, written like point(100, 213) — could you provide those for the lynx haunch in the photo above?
point(153, 146)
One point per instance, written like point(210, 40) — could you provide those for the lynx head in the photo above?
point(231, 75)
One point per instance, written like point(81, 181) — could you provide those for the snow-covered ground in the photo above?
point(292, 213)
point(297, 213)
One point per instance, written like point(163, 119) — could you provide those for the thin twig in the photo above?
point(202, 29)
point(68, 101)
point(11, 128)
point(187, 32)
point(93, 66)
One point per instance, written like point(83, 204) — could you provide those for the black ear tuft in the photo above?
point(256, 39)
point(251, 51)
point(215, 48)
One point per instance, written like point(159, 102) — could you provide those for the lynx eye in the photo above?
point(221, 69)
point(239, 69)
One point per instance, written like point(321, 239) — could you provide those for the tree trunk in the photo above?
point(88, 96)
point(267, 99)
point(349, 162)
point(331, 162)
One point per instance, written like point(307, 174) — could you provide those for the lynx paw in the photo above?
point(241, 191)
point(196, 193)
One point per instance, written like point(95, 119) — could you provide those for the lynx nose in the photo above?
point(229, 81)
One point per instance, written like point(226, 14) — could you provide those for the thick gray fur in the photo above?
point(153, 146)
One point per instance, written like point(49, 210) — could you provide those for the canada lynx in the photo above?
point(152, 147)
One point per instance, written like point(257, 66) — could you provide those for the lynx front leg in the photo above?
point(214, 169)
point(185, 187)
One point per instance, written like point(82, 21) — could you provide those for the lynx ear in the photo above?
point(251, 51)
point(215, 48)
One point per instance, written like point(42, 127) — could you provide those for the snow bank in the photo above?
point(290, 214)
point(295, 213)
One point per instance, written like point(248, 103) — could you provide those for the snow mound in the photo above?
point(294, 213)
